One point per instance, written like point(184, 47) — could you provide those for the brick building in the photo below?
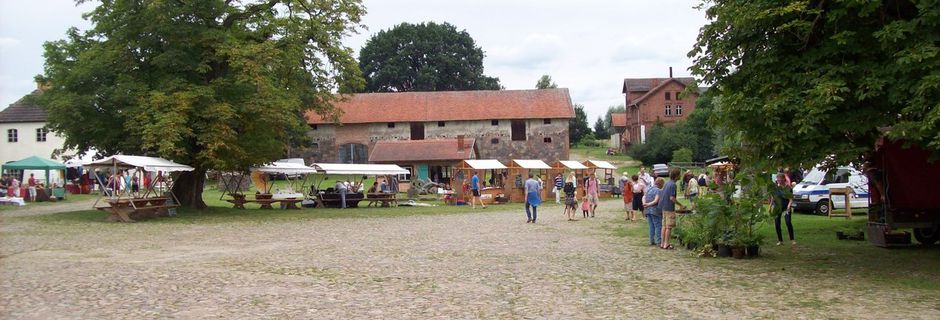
point(649, 100)
point(502, 125)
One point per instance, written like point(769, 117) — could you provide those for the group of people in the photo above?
point(10, 187)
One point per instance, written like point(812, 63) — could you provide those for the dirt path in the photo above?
point(35, 210)
point(486, 264)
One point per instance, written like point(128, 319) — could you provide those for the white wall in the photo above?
point(27, 144)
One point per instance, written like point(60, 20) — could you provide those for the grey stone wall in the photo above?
point(493, 141)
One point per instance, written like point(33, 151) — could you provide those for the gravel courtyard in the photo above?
point(485, 264)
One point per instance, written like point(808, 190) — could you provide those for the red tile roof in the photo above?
point(618, 119)
point(645, 84)
point(421, 150)
point(452, 105)
point(682, 81)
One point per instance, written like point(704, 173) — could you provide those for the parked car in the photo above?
point(812, 194)
point(660, 170)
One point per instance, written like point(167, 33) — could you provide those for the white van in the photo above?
point(812, 194)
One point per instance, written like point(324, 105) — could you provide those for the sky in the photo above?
point(586, 46)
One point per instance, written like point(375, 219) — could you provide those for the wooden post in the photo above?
point(847, 196)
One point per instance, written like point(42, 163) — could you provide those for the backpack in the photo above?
point(701, 181)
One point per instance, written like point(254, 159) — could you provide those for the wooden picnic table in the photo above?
point(387, 199)
point(289, 203)
point(130, 209)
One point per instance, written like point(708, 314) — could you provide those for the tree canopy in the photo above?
point(424, 57)
point(601, 128)
point(545, 82)
point(803, 81)
point(578, 126)
point(213, 84)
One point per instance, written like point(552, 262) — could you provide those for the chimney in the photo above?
point(460, 142)
point(670, 72)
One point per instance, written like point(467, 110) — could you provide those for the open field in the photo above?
point(439, 262)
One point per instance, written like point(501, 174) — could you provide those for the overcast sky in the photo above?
point(586, 46)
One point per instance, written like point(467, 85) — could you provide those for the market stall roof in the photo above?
point(720, 164)
point(81, 160)
point(485, 164)
point(573, 165)
point(285, 168)
point(600, 164)
point(363, 169)
point(34, 163)
point(147, 163)
point(531, 164)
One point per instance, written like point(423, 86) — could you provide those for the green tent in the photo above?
point(37, 163)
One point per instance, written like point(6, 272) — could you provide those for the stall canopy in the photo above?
point(488, 164)
point(602, 164)
point(531, 164)
point(290, 168)
point(147, 163)
point(35, 163)
point(573, 165)
point(357, 169)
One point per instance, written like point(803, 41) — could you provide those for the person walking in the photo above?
point(31, 187)
point(559, 185)
point(14, 191)
point(532, 198)
point(691, 191)
point(782, 202)
point(647, 178)
point(341, 188)
point(667, 204)
point(626, 187)
point(703, 182)
point(653, 215)
point(475, 189)
point(637, 188)
point(571, 204)
point(592, 192)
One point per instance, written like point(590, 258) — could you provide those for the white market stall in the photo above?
point(330, 198)
point(519, 170)
point(604, 171)
point(492, 187)
point(120, 187)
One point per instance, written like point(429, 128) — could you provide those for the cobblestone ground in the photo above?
point(487, 264)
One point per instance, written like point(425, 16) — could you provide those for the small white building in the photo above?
point(23, 131)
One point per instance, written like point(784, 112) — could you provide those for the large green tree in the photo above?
point(214, 84)
point(424, 57)
point(802, 81)
point(578, 126)
point(601, 128)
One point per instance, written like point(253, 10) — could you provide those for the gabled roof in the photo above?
point(647, 84)
point(422, 150)
point(451, 105)
point(681, 81)
point(24, 110)
point(618, 119)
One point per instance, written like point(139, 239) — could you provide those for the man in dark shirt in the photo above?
point(667, 204)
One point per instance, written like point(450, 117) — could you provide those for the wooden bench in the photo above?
point(385, 198)
point(128, 210)
point(290, 203)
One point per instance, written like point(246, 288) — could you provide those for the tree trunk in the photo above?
point(188, 188)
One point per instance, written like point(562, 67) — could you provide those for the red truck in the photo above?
point(904, 183)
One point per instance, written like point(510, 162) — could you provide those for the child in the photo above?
point(571, 205)
point(585, 206)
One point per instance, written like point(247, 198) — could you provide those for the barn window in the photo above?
point(353, 153)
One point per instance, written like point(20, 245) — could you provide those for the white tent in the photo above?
point(485, 164)
point(81, 160)
point(289, 168)
point(147, 163)
point(531, 164)
point(359, 169)
point(573, 165)
point(602, 164)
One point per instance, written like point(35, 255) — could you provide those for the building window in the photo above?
point(417, 131)
point(313, 127)
point(440, 123)
point(353, 153)
point(41, 134)
point(668, 110)
point(494, 122)
point(518, 130)
point(12, 135)
point(494, 140)
point(407, 176)
point(547, 139)
point(547, 121)
point(679, 110)
point(668, 96)
point(391, 124)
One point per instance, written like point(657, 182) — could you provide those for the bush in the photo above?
point(682, 155)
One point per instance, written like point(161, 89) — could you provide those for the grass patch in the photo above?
point(819, 254)
point(68, 198)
